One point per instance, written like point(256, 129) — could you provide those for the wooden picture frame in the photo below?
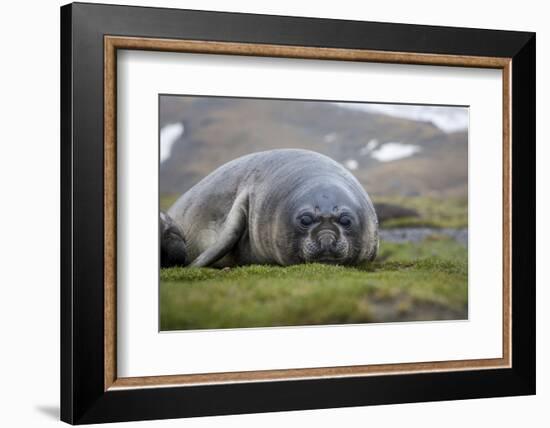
point(91, 391)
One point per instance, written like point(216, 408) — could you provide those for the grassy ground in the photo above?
point(433, 211)
point(423, 281)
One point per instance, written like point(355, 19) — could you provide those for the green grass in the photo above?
point(450, 212)
point(423, 281)
point(166, 200)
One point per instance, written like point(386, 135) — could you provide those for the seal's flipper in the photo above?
point(233, 228)
point(173, 251)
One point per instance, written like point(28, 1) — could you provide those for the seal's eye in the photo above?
point(345, 220)
point(306, 220)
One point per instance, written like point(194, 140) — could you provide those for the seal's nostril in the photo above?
point(327, 240)
point(326, 233)
point(326, 244)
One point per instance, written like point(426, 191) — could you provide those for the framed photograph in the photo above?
point(265, 213)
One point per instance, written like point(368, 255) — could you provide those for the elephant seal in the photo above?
point(281, 207)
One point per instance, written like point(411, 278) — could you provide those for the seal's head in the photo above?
point(328, 223)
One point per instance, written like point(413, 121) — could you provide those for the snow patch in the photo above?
point(351, 164)
point(168, 136)
point(446, 118)
point(394, 151)
point(330, 138)
point(369, 147)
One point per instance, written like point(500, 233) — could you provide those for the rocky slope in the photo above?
point(389, 155)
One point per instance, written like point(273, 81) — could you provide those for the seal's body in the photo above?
point(277, 207)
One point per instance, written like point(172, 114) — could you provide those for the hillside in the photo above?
point(216, 130)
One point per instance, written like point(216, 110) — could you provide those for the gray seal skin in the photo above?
point(279, 207)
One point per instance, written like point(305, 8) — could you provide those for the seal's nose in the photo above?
point(327, 239)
